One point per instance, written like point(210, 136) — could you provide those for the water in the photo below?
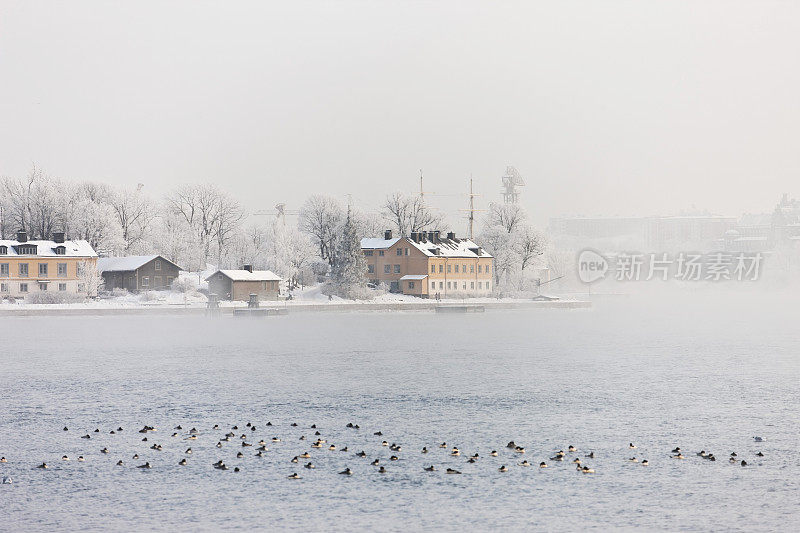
point(693, 373)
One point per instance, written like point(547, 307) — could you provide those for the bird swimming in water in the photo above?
point(302, 437)
point(645, 462)
point(87, 436)
point(64, 458)
point(294, 459)
point(701, 453)
point(557, 458)
point(305, 455)
point(455, 452)
point(443, 445)
point(309, 465)
point(43, 466)
point(239, 455)
point(511, 445)
point(587, 470)
point(452, 471)
point(471, 460)
point(120, 463)
point(375, 462)
point(542, 465)
point(188, 451)
point(7, 480)
point(362, 453)
point(493, 453)
point(572, 448)
point(733, 454)
point(633, 460)
point(104, 450)
point(219, 444)
point(394, 458)
point(732, 459)
point(221, 466)
point(80, 459)
point(236, 469)
point(677, 450)
point(3, 460)
point(332, 447)
point(146, 465)
point(294, 475)
point(576, 461)
point(378, 433)
point(424, 449)
point(66, 428)
point(503, 468)
point(346, 472)
point(590, 455)
point(744, 463)
point(135, 456)
point(384, 443)
point(382, 470)
point(275, 439)
point(678, 456)
point(525, 463)
point(344, 449)
point(631, 445)
point(430, 468)
point(519, 449)
point(759, 454)
point(758, 439)
point(182, 462)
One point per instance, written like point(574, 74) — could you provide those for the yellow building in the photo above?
point(58, 265)
point(428, 265)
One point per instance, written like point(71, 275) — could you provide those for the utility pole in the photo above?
point(471, 211)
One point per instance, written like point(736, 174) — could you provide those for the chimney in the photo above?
point(387, 234)
point(451, 235)
point(58, 237)
point(22, 236)
point(436, 236)
point(249, 268)
point(421, 236)
point(430, 236)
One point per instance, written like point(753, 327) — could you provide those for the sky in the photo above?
point(612, 108)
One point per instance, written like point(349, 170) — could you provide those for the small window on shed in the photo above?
point(4, 250)
point(158, 264)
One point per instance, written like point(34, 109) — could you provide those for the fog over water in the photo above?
point(695, 371)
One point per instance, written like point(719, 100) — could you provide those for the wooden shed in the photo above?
point(240, 284)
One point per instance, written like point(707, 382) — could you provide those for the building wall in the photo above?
point(11, 283)
point(145, 278)
point(266, 290)
point(220, 285)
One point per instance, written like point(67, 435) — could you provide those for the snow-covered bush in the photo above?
point(119, 292)
point(185, 284)
point(48, 297)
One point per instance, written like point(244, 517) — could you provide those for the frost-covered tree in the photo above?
point(35, 203)
point(321, 218)
point(349, 269)
point(409, 214)
point(135, 213)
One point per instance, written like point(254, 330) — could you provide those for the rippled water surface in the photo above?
point(695, 373)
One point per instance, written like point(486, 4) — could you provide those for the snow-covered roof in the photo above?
point(47, 248)
point(444, 247)
point(246, 275)
point(413, 277)
point(370, 243)
point(127, 263)
point(750, 239)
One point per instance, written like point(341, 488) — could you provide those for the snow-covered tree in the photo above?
point(409, 214)
point(321, 217)
point(349, 269)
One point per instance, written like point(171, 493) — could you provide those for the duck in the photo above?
point(525, 463)
point(219, 444)
point(64, 458)
point(156, 447)
point(645, 462)
point(182, 462)
point(346, 472)
point(174, 435)
point(394, 458)
point(759, 454)
point(317, 433)
point(557, 458)
point(191, 437)
point(362, 453)
point(375, 462)
point(452, 471)
point(259, 453)
point(43, 466)
point(112, 432)
point(309, 465)
point(97, 430)
point(455, 452)
point(135, 456)
point(316, 445)
point(701, 453)
point(744, 463)
point(332, 447)
point(511, 445)
point(678, 456)
point(144, 439)
point(382, 470)
point(677, 449)
point(294, 475)
point(493, 453)
point(245, 444)
point(120, 463)
point(239, 455)
point(305, 455)
point(66, 428)
point(443, 445)
point(294, 459)
point(302, 437)
point(519, 449)
point(235, 468)
point(104, 450)
point(221, 466)
point(216, 426)
point(3, 460)
point(587, 470)
point(758, 439)
point(503, 468)
point(711, 457)
point(378, 433)
point(590, 455)
point(275, 439)
point(87, 436)
point(424, 449)
point(7, 480)
point(633, 460)
point(81, 459)
point(733, 454)
point(188, 451)
point(384, 443)
point(576, 461)
point(572, 448)
point(732, 459)
point(430, 468)
point(542, 465)
point(268, 423)
point(472, 460)
point(146, 465)
point(631, 445)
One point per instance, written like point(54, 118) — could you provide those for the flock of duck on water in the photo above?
point(319, 442)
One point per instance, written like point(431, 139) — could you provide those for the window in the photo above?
point(23, 270)
point(62, 287)
point(158, 264)
point(3, 287)
point(410, 284)
point(381, 253)
point(81, 269)
point(368, 253)
point(472, 269)
point(4, 272)
point(26, 249)
point(464, 286)
point(157, 282)
point(441, 269)
point(371, 269)
point(406, 251)
point(487, 271)
point(433, 284)
point(448, 269)
point(3, 250)
point(471, 284)
point(487, 285)
point(145, 282)
point(42, 270)
point(43, 286)
point(62, 270)
point(81, 287)
point(60, 250)
point(448, 284)
point(479, 284)
point(397, 269)
point(456, 269)
point(387, 269)
point(169, 281)
point(479, 269)
point(441, 284)
point(263, 284)
point(464, 269)
point(399, 251)
point(23, 287)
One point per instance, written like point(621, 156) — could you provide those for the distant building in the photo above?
point(426, 264)
point(137, 273)
point(57, 265)
point(240, 284)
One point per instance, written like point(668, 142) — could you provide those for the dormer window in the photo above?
point(4, 250)
point(26, 249)
point(60, 250)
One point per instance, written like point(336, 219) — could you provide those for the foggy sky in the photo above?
point(604, 107)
